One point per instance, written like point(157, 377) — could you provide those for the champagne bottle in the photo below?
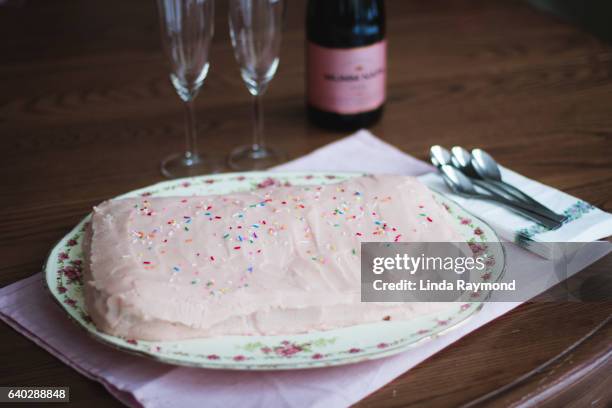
point(346, 54)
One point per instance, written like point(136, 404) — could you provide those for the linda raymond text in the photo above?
point(444, 285)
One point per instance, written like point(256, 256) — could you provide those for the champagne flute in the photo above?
point(255, 30)
point(187, 28)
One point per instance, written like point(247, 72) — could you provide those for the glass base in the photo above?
point(179, 165)
point(249, 157)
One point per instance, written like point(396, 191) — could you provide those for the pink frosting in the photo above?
point(274, 261)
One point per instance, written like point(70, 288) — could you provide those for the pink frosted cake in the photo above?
point(274, 261)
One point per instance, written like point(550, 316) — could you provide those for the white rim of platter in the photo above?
point(63, 279)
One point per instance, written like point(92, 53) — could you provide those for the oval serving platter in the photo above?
point(63, 277)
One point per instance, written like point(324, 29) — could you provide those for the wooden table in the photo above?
point(87, 112)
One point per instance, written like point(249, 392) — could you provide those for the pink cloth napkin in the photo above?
point(139, 382)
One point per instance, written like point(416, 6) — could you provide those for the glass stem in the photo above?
point(258, 124)
point(191, 138)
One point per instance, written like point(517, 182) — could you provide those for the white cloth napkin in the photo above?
point(139, 382)
point(585, 223)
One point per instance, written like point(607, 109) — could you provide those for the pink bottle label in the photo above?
point(347, 80)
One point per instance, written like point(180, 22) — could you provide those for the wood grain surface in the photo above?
point(87, 112)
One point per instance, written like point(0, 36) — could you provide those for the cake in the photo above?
point(277, 260)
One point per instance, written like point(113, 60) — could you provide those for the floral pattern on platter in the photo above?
point(318, 349)
point(288, 349)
